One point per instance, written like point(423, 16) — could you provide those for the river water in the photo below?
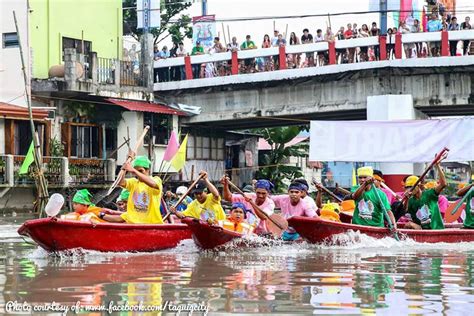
point(364, 276)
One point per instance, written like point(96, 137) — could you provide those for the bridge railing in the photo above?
point(390, 46)
point(58, 171)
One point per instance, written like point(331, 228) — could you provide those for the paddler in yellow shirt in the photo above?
point(143, 205)
point(206, 206)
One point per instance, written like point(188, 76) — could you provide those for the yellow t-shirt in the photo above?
point(143, 205)
point(211, 205)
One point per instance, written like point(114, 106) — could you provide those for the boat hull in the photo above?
point(316, 230)
point(54, 234)
point(207, 236)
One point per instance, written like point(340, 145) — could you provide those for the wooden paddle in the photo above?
point(129, 159)
point(276, 224)
point(455, 209)
point(327, 191)
point(181, 199)
point(385, 213)
point(342, 190)
point(400, 207)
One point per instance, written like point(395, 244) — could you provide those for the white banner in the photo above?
point(391, 141)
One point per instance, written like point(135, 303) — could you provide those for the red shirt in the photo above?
point(348, 34)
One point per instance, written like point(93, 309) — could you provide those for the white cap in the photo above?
point(181, 190)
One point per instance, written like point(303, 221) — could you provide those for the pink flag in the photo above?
point(172, 149)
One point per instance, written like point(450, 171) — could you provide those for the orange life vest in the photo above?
point(92, 215)
point(242, 227)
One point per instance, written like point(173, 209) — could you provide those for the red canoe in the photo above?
point(54, 234)
point(208, 236)
point(316, 230)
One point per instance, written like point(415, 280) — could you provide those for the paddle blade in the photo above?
point(55, 203)
point(451, 218)
point(273, 228)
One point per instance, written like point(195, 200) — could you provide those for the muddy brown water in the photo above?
point(364, 276)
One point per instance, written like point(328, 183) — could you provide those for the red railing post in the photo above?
point(398, 46)
point(383, 47)
point(188, 67)
point(444, 43)
point(235, 63)
point(282, 57)
point(332, 52)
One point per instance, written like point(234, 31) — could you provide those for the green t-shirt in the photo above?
point(469, 220)
point(246, 45)
point(368, 211)
point(425, 211)
point(196, 50)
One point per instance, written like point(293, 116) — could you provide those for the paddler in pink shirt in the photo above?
point(260, 197)
point(292, 204)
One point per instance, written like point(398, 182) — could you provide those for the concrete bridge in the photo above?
point(440, 86)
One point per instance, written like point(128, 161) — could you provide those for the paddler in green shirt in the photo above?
point(423, 205)
point(469, 220)
point(369, 200)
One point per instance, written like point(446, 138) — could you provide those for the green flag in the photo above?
point(28, 159)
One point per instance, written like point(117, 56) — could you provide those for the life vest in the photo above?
point(348, 206)
point(242, 227)
point(92, 215)
point(329, 212)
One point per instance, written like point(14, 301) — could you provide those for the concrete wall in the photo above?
point(20, 199)
point(97, 21)
point(12, 85)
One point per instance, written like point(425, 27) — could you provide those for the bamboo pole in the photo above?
point(223, 32)
point(40, 180)
point(228, 34)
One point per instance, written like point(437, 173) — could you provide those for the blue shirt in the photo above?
point(164, 54)
point(434, 26)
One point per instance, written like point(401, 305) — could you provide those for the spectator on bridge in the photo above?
point(249, 63)
point(328, 37)
point(434, 25)
point(341, 52)
point(233, 46)
point(375, 31)
point(348, 34)
point(405, 29)
point(280, 42)
point(416, 28)
point(390, 43)
point(294, 59)
point(175, 74)
point(267, 61)
point(197, 50)
point(307, 38)
point(275, 38)
point(453, 26)
point(164, 73)
point(156, 56)
point(219, 48)
point(318, 39)
point(364, 33)
point(181, 52)
point(466, 25)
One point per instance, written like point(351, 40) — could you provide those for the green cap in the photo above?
point(123, 195)
point(142, 161)
point(82, 197)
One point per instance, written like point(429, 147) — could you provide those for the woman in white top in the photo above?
point(363, 32)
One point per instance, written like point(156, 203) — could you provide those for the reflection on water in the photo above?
point(367, 276)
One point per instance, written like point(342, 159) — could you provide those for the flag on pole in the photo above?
point(180, 158)
point(172, 148)
point(28, 159)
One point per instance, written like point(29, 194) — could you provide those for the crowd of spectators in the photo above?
point(438, 21)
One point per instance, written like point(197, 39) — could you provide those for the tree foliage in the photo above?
point(276, 160)
point(172, 23)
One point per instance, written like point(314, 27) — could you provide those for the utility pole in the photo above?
point(383, 17)
point(204, 7)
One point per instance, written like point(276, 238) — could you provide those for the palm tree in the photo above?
point(275, 161)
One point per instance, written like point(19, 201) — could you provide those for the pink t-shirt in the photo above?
point(389, 195)
point(442, 204)
point(288, 210)
point(268, 207)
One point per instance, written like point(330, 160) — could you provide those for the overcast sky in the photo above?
point(257, 8)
